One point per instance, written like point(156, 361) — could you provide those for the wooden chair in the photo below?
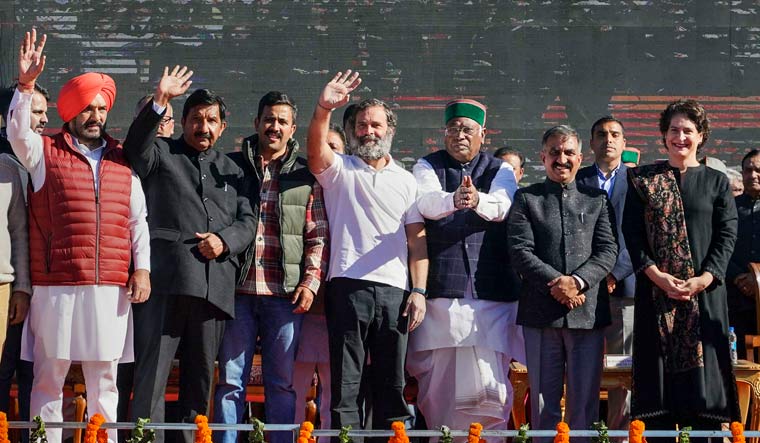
point(754, 269)
point(751, 346)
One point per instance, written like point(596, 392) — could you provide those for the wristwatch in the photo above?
point(420, 291)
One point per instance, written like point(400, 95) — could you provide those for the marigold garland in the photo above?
point(4, 428)
point(737, 432)
point(203, 434)
point(304, 434)
point(563, 433)
point(474, 435)
point(93, 433)
point(636, 432)
point(399, 433)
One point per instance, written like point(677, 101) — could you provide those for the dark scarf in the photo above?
point(677, 321)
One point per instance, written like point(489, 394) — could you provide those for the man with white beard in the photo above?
point(377, 240)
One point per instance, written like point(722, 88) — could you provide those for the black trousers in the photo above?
point(362, 317)
point(668, 423)
point(125, 375)
point(163, 325)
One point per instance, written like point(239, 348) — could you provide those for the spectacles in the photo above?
point(166, 120)
point(454, 131)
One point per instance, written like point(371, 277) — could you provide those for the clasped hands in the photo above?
point(466, 196)
point(676, 288)
point(565, 289)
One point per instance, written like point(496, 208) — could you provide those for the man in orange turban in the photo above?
point(87, 212)
point(79, 92)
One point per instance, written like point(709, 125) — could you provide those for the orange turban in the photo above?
point(80, 91)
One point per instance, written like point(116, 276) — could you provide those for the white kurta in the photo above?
point(82, 323)
point(460, 356)
point(461, 353)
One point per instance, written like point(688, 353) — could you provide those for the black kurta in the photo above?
point(704, 393)
point(741, 309)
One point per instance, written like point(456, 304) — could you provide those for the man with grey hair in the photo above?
point(377, 243)
point(166, 125)
point(562, 242)
point(736, 182)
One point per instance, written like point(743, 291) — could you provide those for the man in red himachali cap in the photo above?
point(87, 223)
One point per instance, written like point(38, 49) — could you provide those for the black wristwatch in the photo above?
point(420, 291)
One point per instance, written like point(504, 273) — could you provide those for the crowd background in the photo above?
point(535, 63)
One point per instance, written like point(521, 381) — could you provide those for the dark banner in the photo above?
point(533, 63)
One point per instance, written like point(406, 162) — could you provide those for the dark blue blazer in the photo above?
point(623, 270)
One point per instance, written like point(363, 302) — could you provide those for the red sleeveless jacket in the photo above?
point(78, 236)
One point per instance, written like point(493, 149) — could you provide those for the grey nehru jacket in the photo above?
point(556, 230)
point(14, 239)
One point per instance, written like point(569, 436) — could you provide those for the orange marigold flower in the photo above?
point(307, 426)
point(737, 432)
point(93, 425)
point(636, 432)
point(474, 436)
point(102, 436)
point(399, 431)
point(203, 433)
point(4, 428)
point(563, 435)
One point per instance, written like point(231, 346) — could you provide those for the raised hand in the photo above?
point(172, 84)
point(31, 62)
point(337, 92)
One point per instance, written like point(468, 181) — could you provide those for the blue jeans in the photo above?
point(272, 319)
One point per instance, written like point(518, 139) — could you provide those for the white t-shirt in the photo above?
point(367, 211)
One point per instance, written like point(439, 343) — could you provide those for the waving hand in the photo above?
point(337, 92)
point(31, 62)
point(172, 84)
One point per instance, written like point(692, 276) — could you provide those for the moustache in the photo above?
point(205, 135)
point(273, 132)
point(369, 138)
point(92, 124)
point(562, 165)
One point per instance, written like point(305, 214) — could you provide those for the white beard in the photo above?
point(373, 148)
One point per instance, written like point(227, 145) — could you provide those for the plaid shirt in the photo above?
point(266, 275)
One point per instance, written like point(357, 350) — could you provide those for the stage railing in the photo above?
point(489, 435)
